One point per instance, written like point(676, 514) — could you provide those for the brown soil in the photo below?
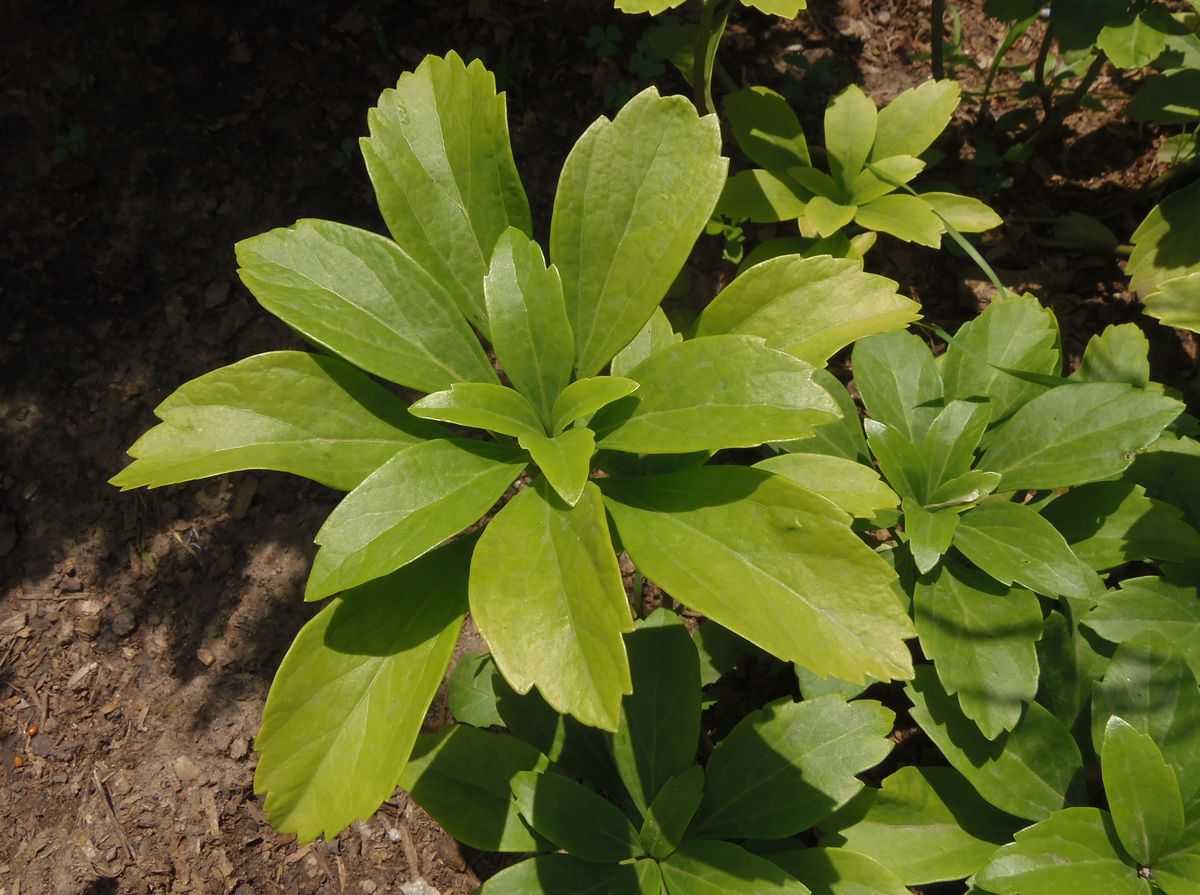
point(139, 632)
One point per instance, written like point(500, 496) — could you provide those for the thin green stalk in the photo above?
point(713, 17)
point(937, 39)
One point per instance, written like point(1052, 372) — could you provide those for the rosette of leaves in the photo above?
point(635, 811)
point(1164, 267)
point(603, 421)
point(870, 154)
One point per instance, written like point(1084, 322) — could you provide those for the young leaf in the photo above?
point(444, 177)
point(1177, 302)
point(899, 460)
point(825, 217)
point(927, 825)
point(565, 460)
point(461, 776)
point(838, 871)
point(850, 127)
point(637, 188)
point(711, 393)
point(707, 867)
point(471, 691)
point(361, 296)
point(481, 405)
point(968, 488)
point(899, 383)
point(1143, 792)
point(583, 397)
point(770, 561)
point(880, 178)
point(853, 486)
point(573, 817)
point(349, 698)
point(980, 636)
point(672, 810)
point(561, 875)
point(412, 503)
point(910, 123)
point(1015, 545)
point(528, 321)
point(929, 533)
point(787, 766)
point(306, 414)
point(1074, 850)
point(808, 307)
point(963, 213)
point(655, 335)
point(906, 217)
point(1029, 771)
point(660, 720)
point(766, 128)
point(1076, 434)
point(949, 445)
point(763, 197)
point(555, 619)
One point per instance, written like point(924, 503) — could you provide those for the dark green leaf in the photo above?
point(763, 197)
point(838, 871)
point(671, 811)
point(766, 128)
point(573, 817)
point(1143, 792)
point(561, 875)
point(471, 691)
point(705, 867)
point(1150, 604)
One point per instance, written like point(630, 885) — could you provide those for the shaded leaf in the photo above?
point(706, 867)
point(561, 874)
point(763, 197)
point(1143, 792)
point(766, 128)
point(573, 817)
point(471, 691)
point(671, 812)
point(838, 871)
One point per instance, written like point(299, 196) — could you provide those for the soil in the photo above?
point(138, 141)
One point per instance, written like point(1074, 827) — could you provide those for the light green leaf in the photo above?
point(1178, 874)
point(766, 128)
point(927, 825)
point(359, 295)
point(562, 874)
point(769, 560)
point(573, 817)
point(711, 393)
point(672, 810)
point(660, 721)
point(471, 691)
point(306, 414)
point(825, 218)
point(649, 879)
point(481, 405)
point(1177, 302)
point(565, 460)
point(1029, 771)
point(853, 486)
point(654, 7)
point(980, 636)
point(850, 127)
point(1150, 604)
point(1075, 434)
point(838, 871)
point(968, 488)
point(899, 459)
point(842, 437)
point(1016, 333)
point(460, 775)
point(949, 445)
point(707, 867)
point(789, 9)
point(633, 196)
point(1164, 244)
point(444, 177)
point(910, 123)
point(880, 178)
point(349, 698)
point(965, 214)
point(528, 321)
point(423, 495)
point(1015, 545)
point(583, 397)
point(1119, 354)
point(808, 307)
point(899, 383)
point(788, 765)
point(929, 532)
point(555, 619)
point(817, 182)
point(1137, 38)
point(906, 217)
point(764, 197)
point(654, 336)
point(1143, 792)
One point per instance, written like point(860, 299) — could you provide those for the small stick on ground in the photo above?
point(112, 813)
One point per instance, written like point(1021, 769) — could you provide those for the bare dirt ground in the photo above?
point(138, 141)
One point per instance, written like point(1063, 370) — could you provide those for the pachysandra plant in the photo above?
point(1164, 267)
point(870, 153)
point(603, 421)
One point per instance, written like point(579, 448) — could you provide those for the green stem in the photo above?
point(1039, 71)
point(713, 17)
point(937, 39)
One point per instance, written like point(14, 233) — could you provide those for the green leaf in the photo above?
point(555, 619)
point(838, 871)
point(1178, 874)
point(789, 9)
point(850, 127)
point(899, 383)
point(1029, 771)
point(929, 533)
point(880, 178)
point(654, 336)
point(412, 503)
point(711, 393)
point(968, 488)
point(1076, 434)
point(842, 437)
point(289, 411)
point(654, 7)
point(1168, 98)
point(1015, 545)
point(1177, 302)
point(766, 128)
point(763, 197)
point(460, 775)
point(1074, 850)
point(853, 486)
point(1150, 604)
point(1119, 354)
point(359, 295)
point(471, 691)
point(927, 825)
point(963, 213)
point(808, 307)
point(349, 698)
point(910, 123)
point(899, 460)
point(565, 460)
point(704, 867)
point(817, 182)
point(562, 874)
point(660, 721)
point(583, 397)
point(1137, 38)
point(637, 188)
point(1169, 470)
point(1016, 333)
point(789, 765)
point(573, 817)
point(1070, 665)
point(672, 810)
point(1143, 792)
point(825, 217)
point(481, 405)
point(528, 321)
point(980, 636)
point(649, 879)
point(1164, 245)
point(444, 177)
point(949, 445)
point(1111, 523)
point(770, 561)
point(906, 217)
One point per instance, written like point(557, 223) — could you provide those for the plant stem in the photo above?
point(713, 17)
point(937, 39)
point(1039, 72)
